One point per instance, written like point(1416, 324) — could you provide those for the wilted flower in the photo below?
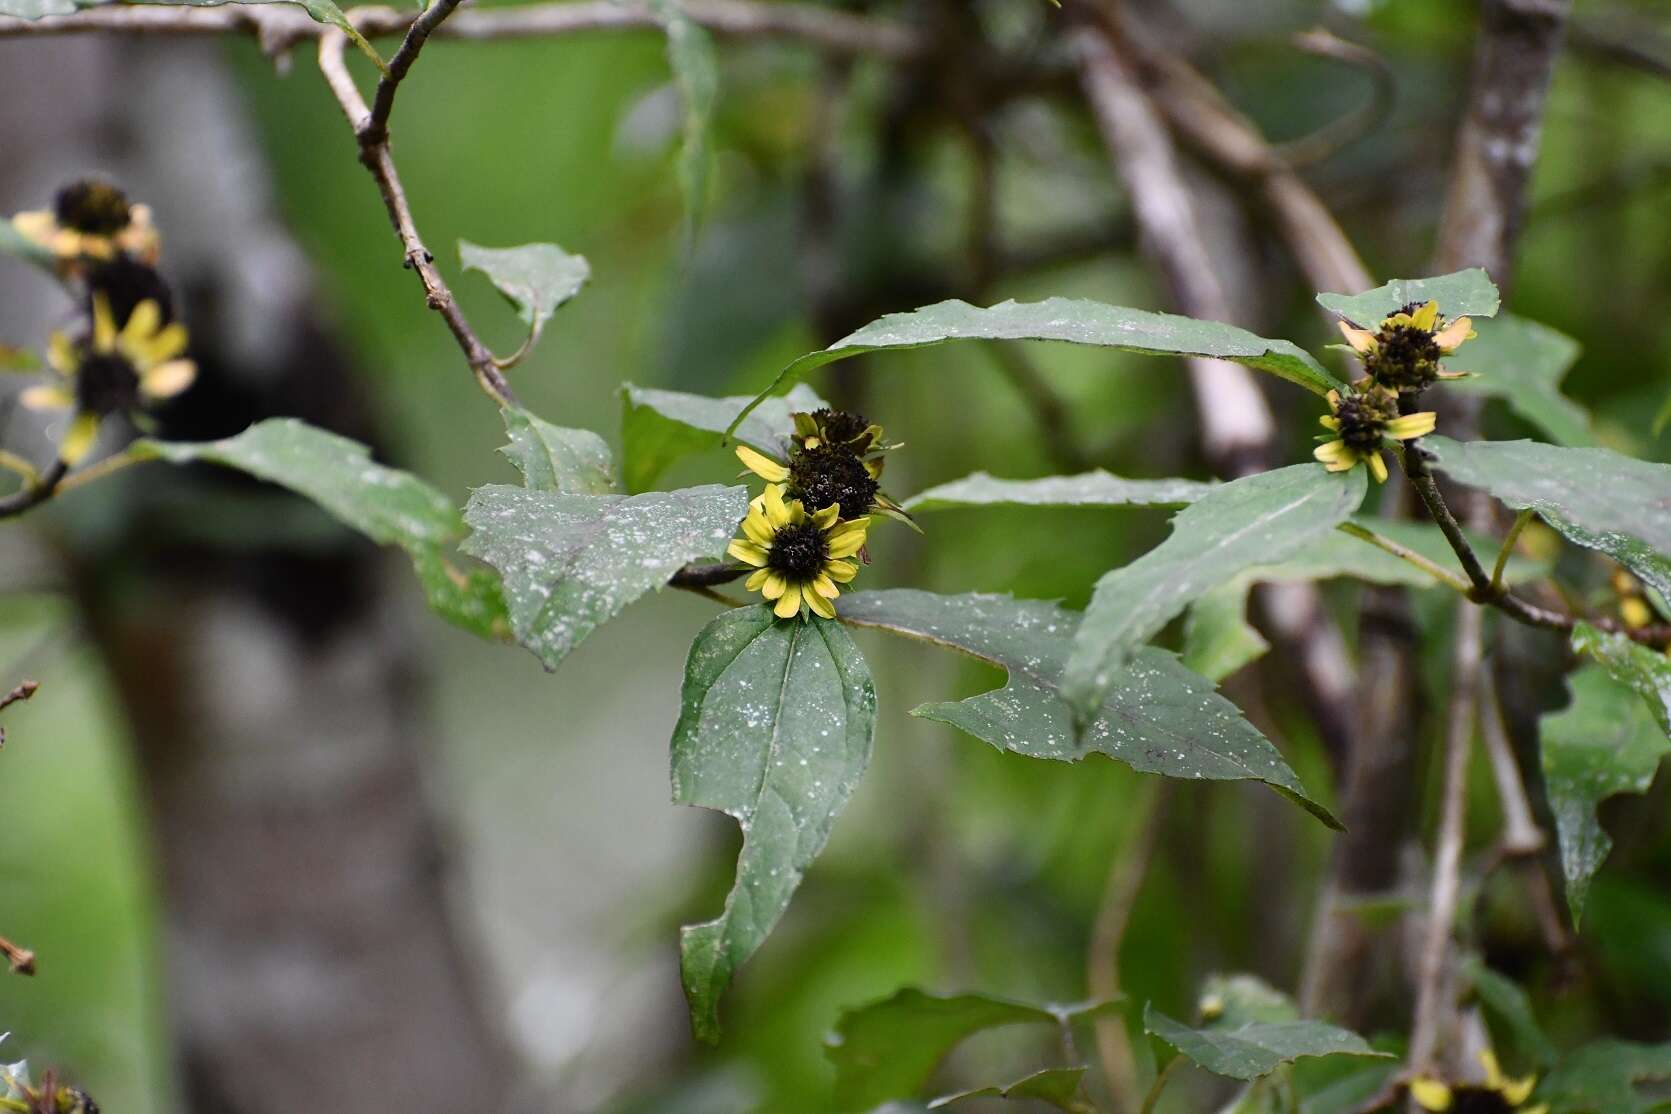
point(799, 558)
point(1404, 352)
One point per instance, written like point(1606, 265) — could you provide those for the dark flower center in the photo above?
point(840, 426)
point(799, 551)
point(106, 384)
point(94, 207)
point(1406, 358)
point(1478, 1100)
point(831, 474)
point(125, 283)
point(1362, 421)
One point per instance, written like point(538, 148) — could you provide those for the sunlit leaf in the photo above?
point(658, 427)
point(775, 729)
point(1156, 717)
point(1522, 363)
point(551, 458)
point(535, 278)
point(1089, 489)
point(1255, 1048)
point(1469, 293)
point(1058, 1087)
point(1602, 1078)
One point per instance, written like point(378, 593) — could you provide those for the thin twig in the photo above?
point(1521, 834)
point(1507, 551)
point(1359, 122)
point(1404, 552)
point(1162, 1078)
point(20, 960)
point(22, 692)
point(33, 494)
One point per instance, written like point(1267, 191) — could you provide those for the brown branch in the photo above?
point(34, 492)
point(1327, 140)
point(20, 960)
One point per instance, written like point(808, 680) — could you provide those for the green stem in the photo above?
point(1159, 1085)
point(1404, 552)
point(1520, 521)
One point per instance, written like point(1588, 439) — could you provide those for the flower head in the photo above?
point(1362, 421)
point(1404, 351)
point(848, 430)
point(90, 220)
point(1497, 1095)
point(798, 558)
point(833, 458)
point(112, 371)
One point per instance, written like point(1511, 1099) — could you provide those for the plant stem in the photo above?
point(1404, 552)
point(1520, 521)
point(1161, 1080)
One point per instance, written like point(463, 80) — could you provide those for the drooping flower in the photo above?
point(91, 220)
point(112, 371)
point(799, 558)
point(1498, 1094)
point(1405, 350)
point(1363, 421)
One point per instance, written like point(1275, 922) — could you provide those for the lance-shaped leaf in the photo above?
point(775, 729)
point(658, 427)
point(889, 1049)
point(1645, 672)
point(1257, 520)
point(1088, 489)
point(570, 563)
point(551, 458)
point(1522, 363)
point(1469, 293)
point(1255, 1048)
point(1157, 717)
point(1595, 497)
point(388, 506)
point(535, 278)
point(1604, 742)
point(1075, 321)
point(1603, 1078)
point(1058, 1087)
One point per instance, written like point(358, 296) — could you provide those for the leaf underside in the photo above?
point(658, 427)
point(1255, 1048)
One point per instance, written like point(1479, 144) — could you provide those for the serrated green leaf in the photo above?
point(1157, 717)
point(535, 278)
point(1255, 1048)
point(570, 563)
point(775, 729)
point(1507, 1001)
point(1088, 489)
point(695, 66)
point(388, 506)
point(1058, 1087)
point(1522, 363)
point(1469, 293)
point(1604, 742)
point(1218, 639)
point(1257, 520)
point(1597, 498)
point(551, 458)
point(1645, 672)
point(888, 1049)
point(1075, 321)
point(1601, 1078)
point(658, 427)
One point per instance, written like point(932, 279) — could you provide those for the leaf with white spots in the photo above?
point(1156, 717)
point(551, 458)
point(775, 729)
point(1645, 672)
point(535, 278)
point(1255, 1048)
point(658, 427)
point(1088, 489)
point(1469, 293)
point(571, 563)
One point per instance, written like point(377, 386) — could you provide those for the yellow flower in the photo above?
point(772, 471)
point(112, 372)
point(90, 219)
point(1404, 351)
point(1499, 1092)
point(1362, 421)
point(798, 558)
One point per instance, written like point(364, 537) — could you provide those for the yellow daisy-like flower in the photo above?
point(1362, 421)
point(91, 219)
point(1404, 351)
point(1498, 1095)
point(798, 558)
point(113, 371)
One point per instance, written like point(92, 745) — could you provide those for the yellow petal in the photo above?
point(847, 544)
point(747, 552)
point(104, 325)
point(840, 571)
point(1451, 336)
point(46, 396)
point(826, 518)
point(756, 579)
point(78, 439)
point(1634, 613)
point(38, 225)
point(1412, 425)
point(777, 513)
point(774, 586)
point(60, 354)
point(1378, 467)
point(1329, 421)
point(819, 604)
point(145, 319)
point(168, 379)
point(759, 531)
point(1426, 317)
point(762, 465)
point(1331, 451)
point(1493, 1069)
point(1430, 1094)
point(789, 604)
point(1334, 399)
point(1361, 340)
point(824, 586)
point(165, 345)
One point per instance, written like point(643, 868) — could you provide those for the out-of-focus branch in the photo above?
point(20, 960)
point(1630, 43)
point(34, 491)
point(1355, 124)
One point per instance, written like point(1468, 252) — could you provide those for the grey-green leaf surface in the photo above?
point(551, 458)
point(1597, 498)
point(1255, 1048)
point(1522, 363)
point(1604, 742)
point(1256, 520)
point(1088, 489)
point(1075, 321)
point(1469, 293)
point(1645, 672)
point(322, 11)
point(1508, 1002)
point(1602, 1078)
point(775, 727)
point(390, 507)
point(1058, 1087)
point(34, 9)
point(572, 562)
point(535, 278)
point(1218, 639)
point(658, 427)
point(1156, 717)
point(695, 66)
point(888, 1049)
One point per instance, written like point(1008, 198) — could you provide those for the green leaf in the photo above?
point(1059, 1087)
point(1595, 497)
point(551, 458)
point(1522, 363)
point(1257, 520)
point(1469, 293)
point(658, 427)
point(1088, 489)
point(322, 11)
point(33, 9)
point(1075, 321)
point(1255, 1048)
point(1218, 639)
point(572, 562)
point(775, 730)
point(388, 506)
point(1236, 1000)
point(1601, 1078)
point(1645, 672)
point(1157, 717)
point(1604, 742)
point(535, 278)
point(888, 1049)
point(690, 55)
point(1506, 1000)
